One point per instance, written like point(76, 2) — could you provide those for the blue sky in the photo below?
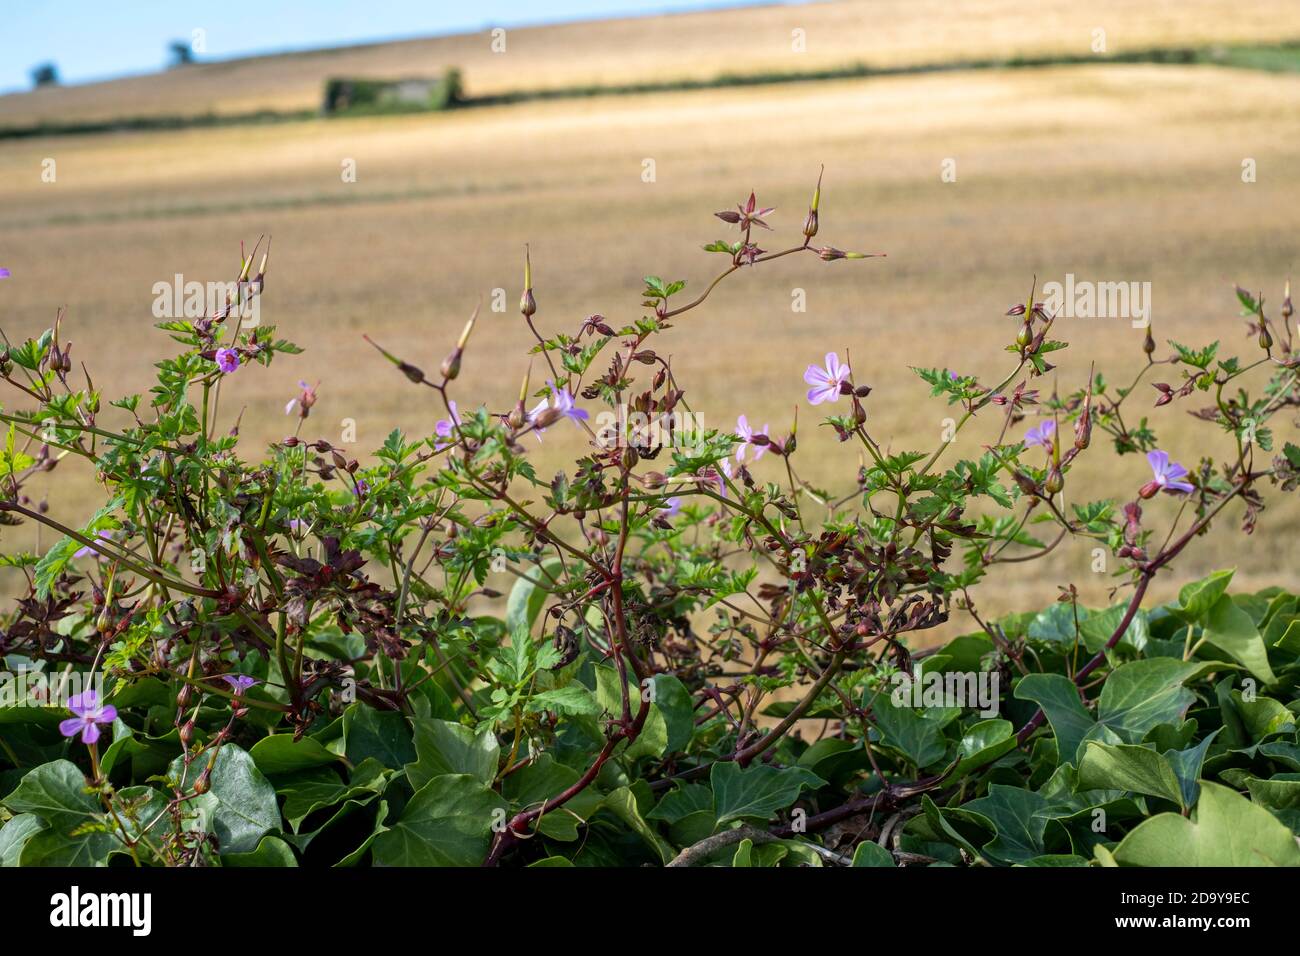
point(98, 39)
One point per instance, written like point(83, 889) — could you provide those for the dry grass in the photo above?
point(1108, 172)
point(882, 33)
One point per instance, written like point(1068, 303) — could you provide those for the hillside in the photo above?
point(701, 46)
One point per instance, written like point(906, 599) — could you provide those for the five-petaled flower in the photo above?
point(88, 713)
point(227, 360)
point(1168, 476)
point(239, 682)
point(747, 435)
point(1041, 434)
point(826, 381)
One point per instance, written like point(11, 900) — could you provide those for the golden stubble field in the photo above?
point(775, 38)
point(1111, 173)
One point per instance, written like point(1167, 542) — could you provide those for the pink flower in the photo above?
point(747, 433)
point(239, 682)
point(445, 429)
point(1168, 475)
point(227, 360)
point(1041, 434)
point(826, 381)
point(307, 399)
point(89, 714)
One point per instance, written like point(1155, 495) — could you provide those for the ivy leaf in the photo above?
point(757, 792)
point(1230, 629)
point(1226, 829)
point(447, 823)
point(1128, 767)
point(241, 802)
point(443, 747)
point(55, 793)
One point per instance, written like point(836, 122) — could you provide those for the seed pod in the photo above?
point(547, 417)
point(1149, 344)
point(450, 366)
point(1055, 482)
point(1265, 339)
point(655, 479)
point(630, 458)
point(528, 304)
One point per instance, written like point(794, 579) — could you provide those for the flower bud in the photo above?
point(630, 458)
point(1265, 338)
point(1149, 489)
point(1055, 482)
point(1149, 344)
point(655, 479)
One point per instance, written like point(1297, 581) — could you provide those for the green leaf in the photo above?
point(447, 823)
point(14, 836)
point(1231, 630)
point(56, 793)
point(1128, 767)
point(442, 747)
point(757, 792)
point(622, 803)
point(240, 801)
point(384, 735)
point(529, 595)
point(1226, 829)
point(917, 735)
point(279, 753)
point(872, 854)
point(1017, 818)
point(1059, 700)
point(272, 851)
point(983, 743)
point(1196, 599)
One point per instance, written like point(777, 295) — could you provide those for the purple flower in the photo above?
point(5, 273)
point(564, 402)
point(446, 428)
point(239, 682)
point(88, 551)
point(826, 381)
point(673, 509)
point(1168, 475)
point(1041, 434)
point(89, 714)
point(227, 360)
point(747, 433)
point(362, 488)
